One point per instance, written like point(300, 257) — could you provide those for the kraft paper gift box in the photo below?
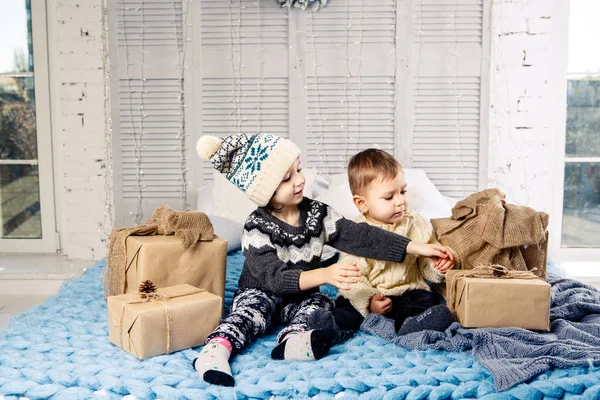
point(165, 262)
point(171, 319)
point(500, 302)
point(530, 254)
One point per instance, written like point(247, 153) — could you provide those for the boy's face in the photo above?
point(384, 201)
point(291, 189)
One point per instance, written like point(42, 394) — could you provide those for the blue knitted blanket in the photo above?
point(514, 355)
point(60, 350)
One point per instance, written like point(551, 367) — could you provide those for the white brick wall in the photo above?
point(522, 136)
point(79, 126)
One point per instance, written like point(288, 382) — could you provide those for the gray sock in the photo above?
point(379, 325)
point(323, 319)
point(436, 318)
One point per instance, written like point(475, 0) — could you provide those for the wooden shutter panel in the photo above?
point(405, 76)
point(350, 75)
point(450, 42)
point(244, 74)
point(147, 86)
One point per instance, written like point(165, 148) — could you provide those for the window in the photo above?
point(581, 202)
point(26, 196)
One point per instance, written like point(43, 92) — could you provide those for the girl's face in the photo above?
point(291, 189)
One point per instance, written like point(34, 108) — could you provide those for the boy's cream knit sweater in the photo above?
point(390, 278)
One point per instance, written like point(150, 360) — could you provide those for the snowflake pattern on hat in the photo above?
point(241, 157)
point(254, 163)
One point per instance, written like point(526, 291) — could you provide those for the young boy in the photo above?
point(396, 290)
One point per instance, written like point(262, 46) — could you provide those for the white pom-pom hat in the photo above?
point(255, 163)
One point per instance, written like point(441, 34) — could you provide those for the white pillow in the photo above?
point(433, 203)
point(319, 186)
point(423, 196)
point(451, 201)
point(339, 197)
point(204, 202)
point(228, 230)
point(229, 201)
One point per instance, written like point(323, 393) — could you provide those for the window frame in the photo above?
point(49, 242)
point(561, 13)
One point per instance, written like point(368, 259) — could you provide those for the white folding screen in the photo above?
point(350, 79)
point(242, 79)
point(407, 76)
point(449, 89)
point(151, 152)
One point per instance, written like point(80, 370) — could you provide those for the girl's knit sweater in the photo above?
point(393, 278)
point(276, 252)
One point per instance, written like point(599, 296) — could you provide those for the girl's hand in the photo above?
point(341, 275)
point(429, 250)
point(380, 304)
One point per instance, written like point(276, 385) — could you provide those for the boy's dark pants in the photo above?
point(411, 303)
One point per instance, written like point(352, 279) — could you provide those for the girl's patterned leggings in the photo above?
point(253, 310)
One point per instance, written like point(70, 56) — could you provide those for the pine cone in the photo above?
point(147, 287)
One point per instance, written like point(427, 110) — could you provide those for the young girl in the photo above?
point(282, 241)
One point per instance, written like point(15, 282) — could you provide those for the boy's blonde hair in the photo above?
point(368, 166)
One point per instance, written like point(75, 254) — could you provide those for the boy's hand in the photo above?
point(341, 275)
point(444, 264)
point(380, 304)
point(428, 250)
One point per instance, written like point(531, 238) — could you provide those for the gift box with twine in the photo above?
point(167, 320)
point(495, 297)
point(171, 248)
point(164, 261)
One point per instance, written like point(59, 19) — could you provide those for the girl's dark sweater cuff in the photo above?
point(291, 281)
point(397, 249)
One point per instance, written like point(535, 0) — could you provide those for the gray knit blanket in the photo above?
point(514, 355)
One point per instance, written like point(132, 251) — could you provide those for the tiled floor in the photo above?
point(13, 305)
point(29, 280)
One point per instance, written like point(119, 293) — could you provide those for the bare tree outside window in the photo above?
point(19, 180)
point(17, 114)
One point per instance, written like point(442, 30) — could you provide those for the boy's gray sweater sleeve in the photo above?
point(266, 267)
point(363, 239)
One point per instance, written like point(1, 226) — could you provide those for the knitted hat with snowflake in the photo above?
point(254, 163)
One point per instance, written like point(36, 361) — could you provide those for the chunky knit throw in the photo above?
point(60, 350)
point(515, 355)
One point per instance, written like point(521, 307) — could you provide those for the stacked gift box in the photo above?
point(165, 283)
point(502, 251)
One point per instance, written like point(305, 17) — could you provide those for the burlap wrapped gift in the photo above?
point(495, 297)
point(164, 261)
point(485, 230)
point(171, 319)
